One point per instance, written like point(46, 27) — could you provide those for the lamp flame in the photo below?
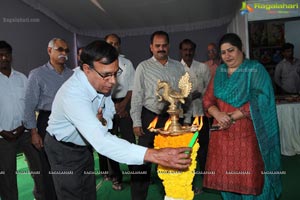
point(196, 122)
point(153, 123)
point(167, 124)
point(201, 123)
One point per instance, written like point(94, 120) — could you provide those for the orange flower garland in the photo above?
point(178, 184)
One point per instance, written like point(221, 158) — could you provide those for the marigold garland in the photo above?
point(178, 184)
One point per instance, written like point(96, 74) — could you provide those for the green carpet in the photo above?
point(290, 165)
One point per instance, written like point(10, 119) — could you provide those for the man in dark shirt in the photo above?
point(287, 72)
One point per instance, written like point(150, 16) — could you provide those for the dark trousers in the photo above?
point(203, 139)
point(8, 178)
point(122, 126)
point(140, 182)
point(42, 123)
point(72, 169)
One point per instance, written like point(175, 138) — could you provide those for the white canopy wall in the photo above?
point(29, 39)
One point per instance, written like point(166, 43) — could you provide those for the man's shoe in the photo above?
point(116, 185)
point(106, 178)
point(197, 190)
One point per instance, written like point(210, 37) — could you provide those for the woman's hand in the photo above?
point(224, 120)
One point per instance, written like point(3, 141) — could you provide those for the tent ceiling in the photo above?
point(133, 17)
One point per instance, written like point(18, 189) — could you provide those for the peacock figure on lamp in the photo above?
point(166, 93)
point(172, 96)
point(177, 184)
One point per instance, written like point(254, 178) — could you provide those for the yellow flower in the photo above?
point(178, 184)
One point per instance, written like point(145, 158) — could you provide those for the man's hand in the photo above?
point(100, 117)
point(36, 139)
point(19, 131)
point(121, 109)
point(99, 114)
point(175, 158)
point(10, 136)
point(138, 131)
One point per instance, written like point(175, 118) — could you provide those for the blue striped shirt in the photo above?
point(43, 83)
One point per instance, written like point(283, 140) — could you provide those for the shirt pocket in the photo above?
point(19, 92)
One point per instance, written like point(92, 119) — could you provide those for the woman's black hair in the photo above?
point(233, 39)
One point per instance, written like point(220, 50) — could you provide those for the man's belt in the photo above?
point(117, 100)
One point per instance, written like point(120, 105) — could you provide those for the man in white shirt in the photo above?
point(81, 116)
point(122, 122)
point(13, 136)
point(199, 76)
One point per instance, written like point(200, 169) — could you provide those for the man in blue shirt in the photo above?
point(81, 116)
point(43, 83)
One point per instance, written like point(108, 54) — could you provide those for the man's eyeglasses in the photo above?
point(212, 51)
point(106, 76)
point(61, 49)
